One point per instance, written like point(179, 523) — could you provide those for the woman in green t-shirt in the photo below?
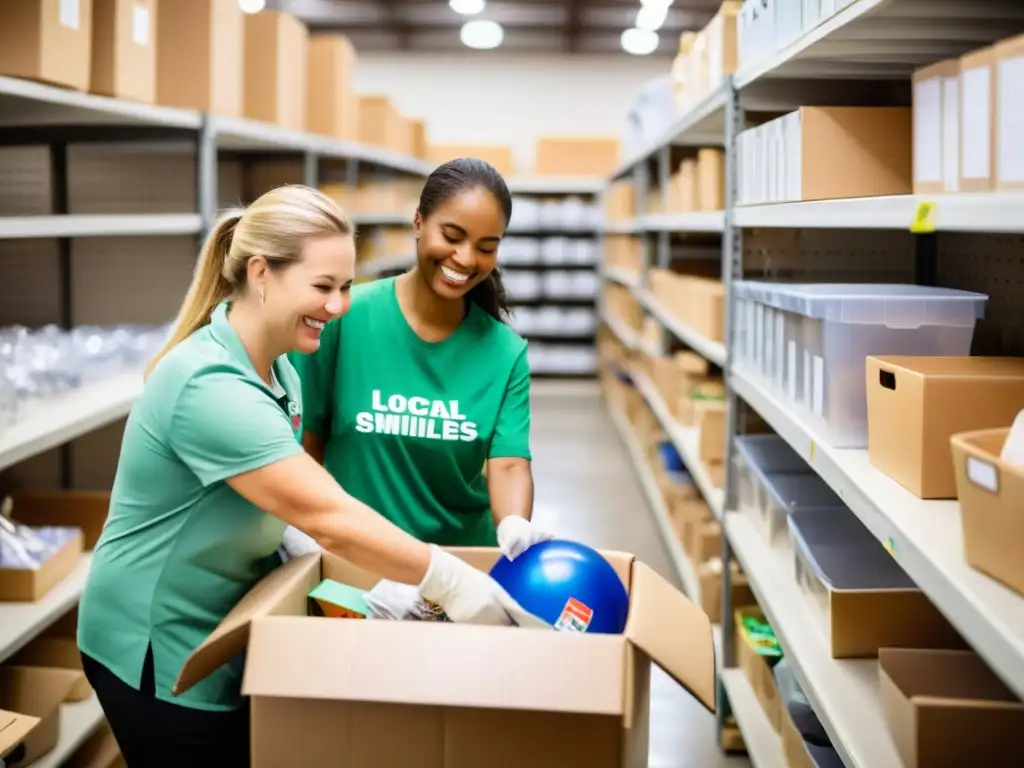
point(419, 402)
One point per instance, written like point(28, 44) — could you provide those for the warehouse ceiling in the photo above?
point(537, 26)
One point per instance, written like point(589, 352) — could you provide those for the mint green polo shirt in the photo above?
point(408, 424)
point(180, 547)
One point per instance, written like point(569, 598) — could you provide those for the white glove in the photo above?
point(517, 534)
point(297, 543)
point(464, 593)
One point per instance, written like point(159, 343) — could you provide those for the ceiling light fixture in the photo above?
point(650, 17)
point(252, 6)
point(639, 42)
point(481, 34)
point(467, 7)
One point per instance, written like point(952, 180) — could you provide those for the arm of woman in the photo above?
point(225, 428)
point(509, 473)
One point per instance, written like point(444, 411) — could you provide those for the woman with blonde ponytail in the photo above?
point(212, 471)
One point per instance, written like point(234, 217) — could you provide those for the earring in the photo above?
point(263, 298)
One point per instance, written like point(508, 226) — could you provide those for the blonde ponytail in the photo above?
point(274, 226)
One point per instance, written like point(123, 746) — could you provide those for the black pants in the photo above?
point(153, 733)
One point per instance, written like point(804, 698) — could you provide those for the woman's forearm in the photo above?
point(510, 487)
point(302, 493)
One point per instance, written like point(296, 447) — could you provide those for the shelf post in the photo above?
point(59, 207)
point(206, 175)
point(310, 169)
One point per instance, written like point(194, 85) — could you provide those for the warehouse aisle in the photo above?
point(587, 490)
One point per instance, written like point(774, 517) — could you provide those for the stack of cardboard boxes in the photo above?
point(697, 302)
point(203, 55)
point(706, 57)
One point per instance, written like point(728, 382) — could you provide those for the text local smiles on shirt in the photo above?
point(416, 417)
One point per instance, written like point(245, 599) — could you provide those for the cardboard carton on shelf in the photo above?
point(757, 666)
point(124, 49)
point(276, 69)
point(15, 727)
point(32, 584)
point(38, 693)
point(915, 404)
point(947, 708)
point(380, 123)
point(332, 102)
point(576, 155)
point(991, 493)
point(57, 648)
point(47, 41)
point(200, 54)
point(498, 155)
point(79, 509)
point(461, 695)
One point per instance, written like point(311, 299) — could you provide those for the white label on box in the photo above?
point(791, 368)
point(976, 98)
point(928, 130)
point(951, 133)
point(70, 13)
point(983, 474)
point(1010, 117)
point(140, 24)
point(819, 385)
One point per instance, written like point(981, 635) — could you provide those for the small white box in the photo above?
point(1009, 114)
point(936, 127)
point(977, 102)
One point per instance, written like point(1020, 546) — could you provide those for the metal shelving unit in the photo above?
point(862, 55)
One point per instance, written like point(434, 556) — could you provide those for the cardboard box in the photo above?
point(200, 54)
point(332, 101)
point(57, 648)
point(722, 44)
point(14, 729)
point(688, 191)
point(853, 152)
point(419, 139)
point(936, 120)
point(915, 404)
point(710, 180)
point(500, 156)
point(946, 709)
point(703, 540)
point(36, 692)
point(800, 753)
point(380, 123)
point(756, 667)
point(576, 155)
point(709, 577)
point(455, 692)
point(78, 509)
point(47, 41)
point(1007, 87)
point(99, 751)
point(991, 494)
point(276, 69)
point(124, 49)
point(711, 423)
point(977, 107)
point(23, 584)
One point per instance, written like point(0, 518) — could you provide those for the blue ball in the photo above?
point(568, 585)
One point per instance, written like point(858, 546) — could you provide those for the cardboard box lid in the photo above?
point(36, 691)
point(438, 664)
point(953, 367)
point(945, 678)
point(14, 728)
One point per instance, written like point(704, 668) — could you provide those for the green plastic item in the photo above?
point(762, 637)
point(340, 600)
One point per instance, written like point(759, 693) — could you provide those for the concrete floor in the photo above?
point(586, 490)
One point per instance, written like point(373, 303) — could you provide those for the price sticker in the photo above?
point(810, 453)
point(924, 219)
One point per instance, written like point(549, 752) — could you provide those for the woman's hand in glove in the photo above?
point(465, 594)
point(517, 534)
point(296, 543)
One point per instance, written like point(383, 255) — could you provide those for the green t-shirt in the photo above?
point(180, 547)
point(408, 424)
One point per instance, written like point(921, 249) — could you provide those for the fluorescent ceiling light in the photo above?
point(252, 6)
point(481, 34)
point(650, 17)
point(639, 42)
point(467, 7)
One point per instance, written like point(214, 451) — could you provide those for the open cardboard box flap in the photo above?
point(429, 663)
point(13, 729)
point(334, 658)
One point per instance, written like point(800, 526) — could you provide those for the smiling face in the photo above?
point(314, 289)
point(457, 244)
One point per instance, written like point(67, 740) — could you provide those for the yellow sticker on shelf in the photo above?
point(924, 219)
point(810, 453)
point(890, 546)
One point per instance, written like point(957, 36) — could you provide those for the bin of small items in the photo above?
point(840, 326)
point(771, 455)
point(864, 598)
point(34, 559)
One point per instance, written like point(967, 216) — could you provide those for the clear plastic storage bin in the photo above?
point(784, 494)
point(756, 454)
point(821, 335)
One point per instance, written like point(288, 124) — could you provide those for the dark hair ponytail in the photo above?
point(457, 176)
